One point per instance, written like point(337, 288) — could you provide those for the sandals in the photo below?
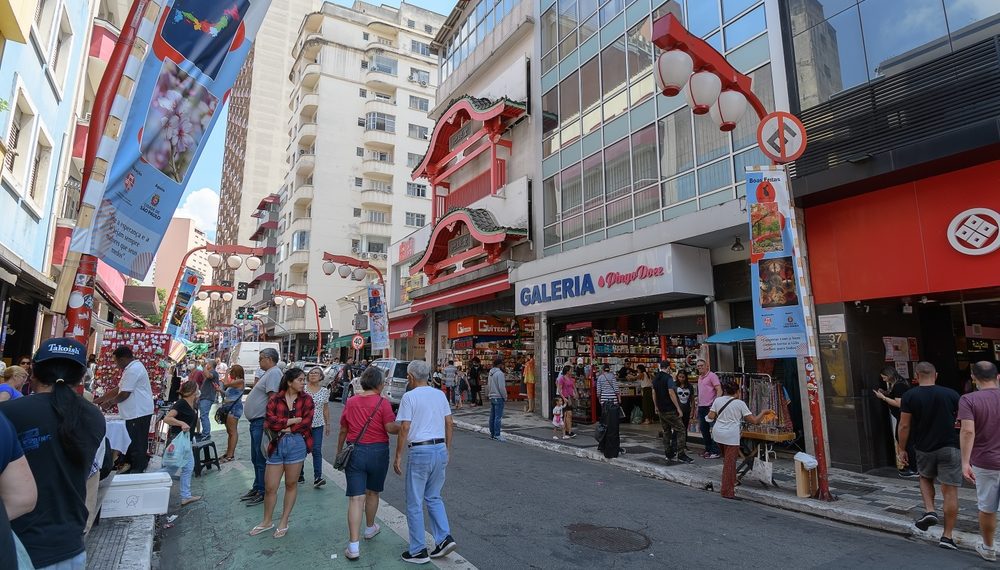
point(262, 529)
point(281, 532)
point(190, 500)
point(226, 459)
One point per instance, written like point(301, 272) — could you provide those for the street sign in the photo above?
point(781, 137)
point(312, 336)
point(241, 290)
point(358, 342)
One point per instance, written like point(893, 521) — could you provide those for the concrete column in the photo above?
point(544, 358)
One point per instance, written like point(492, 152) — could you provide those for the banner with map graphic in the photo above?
point(185, 60)
point(179, 325)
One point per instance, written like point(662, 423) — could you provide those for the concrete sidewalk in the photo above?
point(883, 503)
point(212, 533)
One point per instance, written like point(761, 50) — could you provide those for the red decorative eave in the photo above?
point(259, 232)
point(269, 199)
point(482, 226)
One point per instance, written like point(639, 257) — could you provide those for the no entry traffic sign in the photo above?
point(358, 342)
point(781, 136)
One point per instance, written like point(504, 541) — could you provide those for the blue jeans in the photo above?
point(256, 457)
point(205, 412)
point(496, 414)
point(186, 473)
point(78, 562)
point(317, 452)
point(425, 475)
point(706, 430)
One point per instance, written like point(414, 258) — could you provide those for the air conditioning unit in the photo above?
point(355, 250)
point(363, 255)
point(423, 84)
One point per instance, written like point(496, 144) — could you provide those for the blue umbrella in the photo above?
point(739, 335)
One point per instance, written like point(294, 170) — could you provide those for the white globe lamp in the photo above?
point(702, 91)
point(227, 296)
point(673, 69)
point(202, 295)
point(214, 295)
point(344, 271)
point(728, 110)
point(278, 299)
point(300, 303)
point(214, 259)
point(253, 262)
point(234, 261)
point(359, 274)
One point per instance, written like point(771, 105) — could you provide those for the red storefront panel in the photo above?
point(894, 242)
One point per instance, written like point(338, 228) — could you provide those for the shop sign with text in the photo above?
point(656, 271)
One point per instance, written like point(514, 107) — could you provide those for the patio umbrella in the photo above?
point(737, 336)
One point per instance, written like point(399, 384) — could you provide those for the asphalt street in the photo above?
point(515, 506)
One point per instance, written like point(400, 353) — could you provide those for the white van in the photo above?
point(246, 354)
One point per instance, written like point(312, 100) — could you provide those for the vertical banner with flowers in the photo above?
point(779, 318)
point(179, 325)
point(185, 60)
point(378, 320)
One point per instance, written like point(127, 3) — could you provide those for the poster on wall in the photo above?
point(779, 318)
point(185, 60)
point(180, 314)
point(378, 321)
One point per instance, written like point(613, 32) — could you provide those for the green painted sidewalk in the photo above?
point(212, 534)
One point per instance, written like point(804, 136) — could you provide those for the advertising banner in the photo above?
point(378, 321)
point(775, 274)
point(186, 57)
point(180, 314)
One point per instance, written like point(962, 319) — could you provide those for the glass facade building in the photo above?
point(618, 157)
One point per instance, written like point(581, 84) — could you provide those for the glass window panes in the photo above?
point(550, 111)
point(619, 210)
point(807, 13)
point(730, 8)
point(590, 94)
point(572, 227)
point(640, 52)
point(617, 174)
point(611, 9)
point(647, 200)
point(745, 133)
point(593, 220)
point(572, 191)
point(702, 17)
point(593, 181)
point(714, 176)
point(569, 106)
point(748, 26)
point(587, 8)
point(567, 18)
point(966, 21)
point(679, 190)
point(676, 143)
point(380, 122)
point(830, 58)
point(644, 157)
point(549, 31)
point(589, 27)
point(551, 200)
point(894, 30)
point(710, 142)
point(613, 67)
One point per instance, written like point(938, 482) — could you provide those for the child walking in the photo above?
point(558, 425)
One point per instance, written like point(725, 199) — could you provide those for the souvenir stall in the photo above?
point(489, 337)
point(151, 347)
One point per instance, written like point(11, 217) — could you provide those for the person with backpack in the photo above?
point(892, 395)
point(475, 382)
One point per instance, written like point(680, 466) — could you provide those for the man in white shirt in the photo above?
point(425, 430)
point(134, 397)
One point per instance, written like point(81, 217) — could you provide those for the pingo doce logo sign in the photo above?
point(583, 284)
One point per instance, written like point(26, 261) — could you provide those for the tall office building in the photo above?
point(253, 162)
point(364, 81)
point(182, 236)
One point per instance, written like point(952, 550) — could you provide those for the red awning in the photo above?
point(259, 232)
point(470, 293)
point(403, 326)
point(261, 278)
point(269, 199)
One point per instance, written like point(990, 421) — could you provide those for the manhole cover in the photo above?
point(607, 539)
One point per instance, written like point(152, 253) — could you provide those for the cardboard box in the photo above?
point(139, 494)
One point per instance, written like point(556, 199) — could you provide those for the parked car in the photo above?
point(395, 379)
point(345, 385)
point(246, 354)
point(306, 366)
point(331, 381)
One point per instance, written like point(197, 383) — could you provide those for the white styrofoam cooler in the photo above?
point(138, 494)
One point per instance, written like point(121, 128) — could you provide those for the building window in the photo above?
point(415, 220)
point(376, 247)
point(39, 173)
point(14, 139)
point(412, 160)
point(377, 217)
point(428, 28)
point(416, 190)
point(364, 36)
point(356, 243)
point(59, 57)
point(419, 103)
point(358, 182)
point(380, 122)
point(361, 121)
point(420, 47)
point(357, 212)
point(411, 24)
point(360, 151)
point(300, 240)
point(383, 96)
point(364, 64)
point(45, 13)
point(420, 76)
point(418, 132)
point(384, 64)
point(363, 93)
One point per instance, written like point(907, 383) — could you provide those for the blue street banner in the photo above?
point(180, 314)
point(775, 267)
point(378, 321)
point(185, 60)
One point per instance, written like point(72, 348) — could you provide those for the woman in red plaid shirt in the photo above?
point(290, 413)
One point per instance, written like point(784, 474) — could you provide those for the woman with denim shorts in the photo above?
point(369, 462)
point(232, 404)
point(290, 414)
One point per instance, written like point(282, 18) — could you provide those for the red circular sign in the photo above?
point(358, 342)
point(781, 136)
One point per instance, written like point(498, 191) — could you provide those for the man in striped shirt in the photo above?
point(608, 394)
point(607, 386)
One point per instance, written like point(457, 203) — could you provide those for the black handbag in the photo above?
point(344, 456)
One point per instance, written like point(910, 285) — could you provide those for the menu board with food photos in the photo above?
point(149, 347)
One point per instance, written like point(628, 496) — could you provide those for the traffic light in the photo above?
point(241, 290)
point(239, 313)
point(322, 311)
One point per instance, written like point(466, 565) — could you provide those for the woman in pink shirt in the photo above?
point(566, 385)
point(709, 388)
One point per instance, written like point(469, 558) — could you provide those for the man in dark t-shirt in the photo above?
point(209, 387)
point(669, 409)
point(928, 416)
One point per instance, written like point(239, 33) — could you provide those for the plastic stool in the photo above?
point(209, 456)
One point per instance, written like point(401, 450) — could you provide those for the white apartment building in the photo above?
point(364, 80)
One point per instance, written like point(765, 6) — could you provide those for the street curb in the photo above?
point(137, 554)
point(806, 506)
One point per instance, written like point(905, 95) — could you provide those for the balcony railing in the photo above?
point(472, 191)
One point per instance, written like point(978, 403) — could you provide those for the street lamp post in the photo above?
point(232, 254)
point(712, 85)
point(289, 298)
point(356, 269)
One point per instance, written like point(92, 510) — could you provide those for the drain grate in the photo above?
point(608, 539)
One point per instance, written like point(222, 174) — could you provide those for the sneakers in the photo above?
point(567, 436)
point(350, 554)
point(256, 500)
point(572, 434)
point(988, 554)
point(446, 547)
point(683, 458)
point(927, 521)
point(372, 531)
point(302, 477)
point(319, 483)
point(712, 456)
point(908, 473)
point(418, 558)
point(249, 495)
point(670, 457)
point(948, 543)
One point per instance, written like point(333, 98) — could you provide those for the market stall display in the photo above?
point(490, 337)
point(150, 347)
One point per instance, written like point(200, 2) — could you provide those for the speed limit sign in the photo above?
point(358, 342)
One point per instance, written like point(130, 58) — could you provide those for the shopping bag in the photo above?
point(178, 452)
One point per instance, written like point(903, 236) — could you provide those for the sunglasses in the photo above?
point(25, 363)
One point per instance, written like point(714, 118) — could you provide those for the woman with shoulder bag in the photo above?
point(180, 418)
point(290, 414)
point(365, 423)
point(729, 412)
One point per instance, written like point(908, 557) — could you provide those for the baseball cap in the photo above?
point(606, 367)
point(62, 348)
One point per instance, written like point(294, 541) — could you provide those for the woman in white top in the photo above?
point(321, 421)
point(729, 412)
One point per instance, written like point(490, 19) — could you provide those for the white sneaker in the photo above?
point(565, 437)
point(988, 554)
point(370, 534)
